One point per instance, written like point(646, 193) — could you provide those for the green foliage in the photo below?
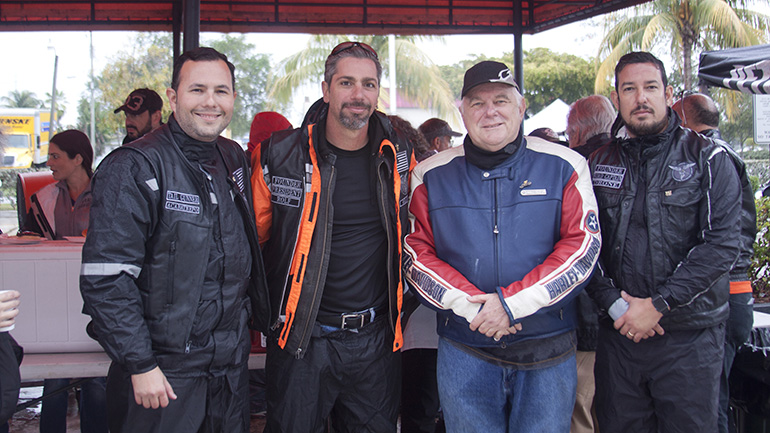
point(680, 28)
point(103, 117)
point(759, 270)
point(251, 75)
point(418, 79)
point(21, 99)
point(148, 63)
point(547, 76)
point(61, 103)
point(737, 126)
point(8, 182)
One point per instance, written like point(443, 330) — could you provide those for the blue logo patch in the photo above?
point(592, 222)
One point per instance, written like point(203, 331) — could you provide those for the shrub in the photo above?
point(759, 270)
point(8, 183)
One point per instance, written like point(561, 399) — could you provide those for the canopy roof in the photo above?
point(746, 69)
point(306, 16)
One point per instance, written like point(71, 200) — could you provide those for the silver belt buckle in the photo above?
point(345, 317)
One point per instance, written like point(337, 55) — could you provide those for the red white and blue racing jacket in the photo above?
point(528, 230)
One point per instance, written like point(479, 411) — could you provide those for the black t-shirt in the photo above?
point(356, 278)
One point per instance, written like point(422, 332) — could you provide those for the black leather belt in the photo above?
point(355, 320)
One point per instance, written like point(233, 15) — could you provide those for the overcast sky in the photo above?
point(28, 58)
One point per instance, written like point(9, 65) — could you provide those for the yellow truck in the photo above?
point(25, 137)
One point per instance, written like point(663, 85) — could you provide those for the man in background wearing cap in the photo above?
point(438, 134)
point(504, 236)
point(143, 113)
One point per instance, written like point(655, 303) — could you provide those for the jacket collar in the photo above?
point(648, 145)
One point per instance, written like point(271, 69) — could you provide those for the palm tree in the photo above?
point(418, 78)
point(61, 102)
point(21, 99)
point(686, 25)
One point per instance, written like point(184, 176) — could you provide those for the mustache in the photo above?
point(644, 107)
point(357, 104)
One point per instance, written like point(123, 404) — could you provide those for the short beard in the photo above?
point(647, 129)
point(353, 122)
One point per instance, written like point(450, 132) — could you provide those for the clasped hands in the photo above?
point(492, 320)
point(640, 321)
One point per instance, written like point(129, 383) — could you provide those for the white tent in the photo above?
point(553, 116)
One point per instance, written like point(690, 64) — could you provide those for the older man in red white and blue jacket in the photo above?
point(504, 235)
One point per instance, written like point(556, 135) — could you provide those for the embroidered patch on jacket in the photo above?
point(682, 171)
point(402, 161)
point(183, 202)
point(285, 191)
point(240, 179)
point(609, 176)
point(592, 222)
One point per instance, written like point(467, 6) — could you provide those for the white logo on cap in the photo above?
point(504, 76)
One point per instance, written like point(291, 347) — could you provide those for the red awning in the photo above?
point(305, 16)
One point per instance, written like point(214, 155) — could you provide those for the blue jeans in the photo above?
point(478, 396)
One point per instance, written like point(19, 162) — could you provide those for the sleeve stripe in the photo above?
point(108, 269)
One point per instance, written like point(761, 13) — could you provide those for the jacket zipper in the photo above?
point(293, 254)
point(308, 324)
point(496, 231)
point(385, 212)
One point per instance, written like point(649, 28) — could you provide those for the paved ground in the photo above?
point(28, 420)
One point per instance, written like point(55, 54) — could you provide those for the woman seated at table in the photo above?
point(66, 203)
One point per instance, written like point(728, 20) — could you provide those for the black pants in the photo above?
point(737, 332)
point(665, 384)
point(419, 392)
point(350, 379)
point(204, 404)
point(9, 377)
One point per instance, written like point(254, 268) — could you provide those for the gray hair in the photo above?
point(355, 51)
point(592, 115)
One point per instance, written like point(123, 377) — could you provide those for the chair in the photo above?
point(27, 184)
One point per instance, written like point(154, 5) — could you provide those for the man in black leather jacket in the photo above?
point(331, 202)
point(699, 113)
point(167, 264)
point(669, 218)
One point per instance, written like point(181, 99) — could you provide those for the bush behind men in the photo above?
point(166, 268)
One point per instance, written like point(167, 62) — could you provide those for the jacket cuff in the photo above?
point(140, 367)
point(512, 320)
point(618, 308)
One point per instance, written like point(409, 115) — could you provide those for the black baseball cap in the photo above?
point(434, 127)
point(141, 100)
point(487, 72)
